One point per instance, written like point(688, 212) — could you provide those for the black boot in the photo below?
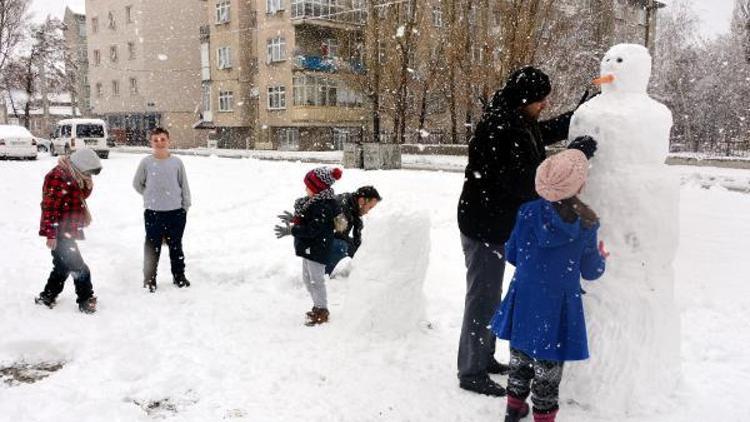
point(43, 299)
point(180, 281)
point(88, 306)
point(483, 385)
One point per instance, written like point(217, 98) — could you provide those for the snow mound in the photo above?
point(386, 297)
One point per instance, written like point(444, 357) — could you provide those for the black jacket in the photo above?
point(504, 153)
point(350, 209)
point(313, 236)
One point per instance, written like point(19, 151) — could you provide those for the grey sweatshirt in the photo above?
point(163, 184)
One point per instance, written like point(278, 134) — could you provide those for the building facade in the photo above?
point(144, 67)
point(275, 74)
point(76, 60)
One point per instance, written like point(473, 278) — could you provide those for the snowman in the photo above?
point(633, 324)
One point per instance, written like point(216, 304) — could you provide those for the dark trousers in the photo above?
point(485, 265)
point(541, 378)
point(67, 260)
point(339, 251)
point(163, 226)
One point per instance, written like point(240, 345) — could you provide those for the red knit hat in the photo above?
point(322, 178)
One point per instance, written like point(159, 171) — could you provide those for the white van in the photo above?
point(71, 134)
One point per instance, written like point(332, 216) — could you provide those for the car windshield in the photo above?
point(90, 131)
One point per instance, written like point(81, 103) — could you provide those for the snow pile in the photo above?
point(634, 334)
point(386, 296)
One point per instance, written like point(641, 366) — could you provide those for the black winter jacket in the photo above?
point(313, 236)
point(504, 153)
point(350, 209)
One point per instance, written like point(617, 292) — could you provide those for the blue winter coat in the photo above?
point(542, 313)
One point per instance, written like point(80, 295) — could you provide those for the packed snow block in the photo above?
point(378, 156)
point(353, 156)
point(633, 323)
point(385, 297)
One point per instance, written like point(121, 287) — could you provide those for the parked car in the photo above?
point(43, 145)
point(71, 134)
point(17, 142)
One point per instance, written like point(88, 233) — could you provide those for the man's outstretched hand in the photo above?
point(585, 144)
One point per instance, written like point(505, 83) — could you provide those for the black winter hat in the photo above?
point(526, 85)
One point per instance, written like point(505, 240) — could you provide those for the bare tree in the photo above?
point(39, 70)
point(13, 19)
point(741, 24)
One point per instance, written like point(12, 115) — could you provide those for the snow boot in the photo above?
point(317, 316)
point(548, 416)
point(88, 306)
point(180, 281)
point(516, 409)
point(495, 367)
point(42, 299)
point(150, 285)
point(482, 385)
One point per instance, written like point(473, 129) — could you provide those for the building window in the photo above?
point(97, 57)
point(437, 17)
point(82, 54)
point(288, 138)
point(99, 90)
point(206, 101)
point(276, 49)
point(131, 50)
point(222, 11)
point(113, 54)
point(133, 86)
point(274, 6)
point(94, 25)
point(309, 90)
point(224, 58)
point(226, 101)
point(129, 14)
point(111, 24)
point(314, 8)
point(116, 88)
point(82, 28)
point(276, 98)
point(330, 48)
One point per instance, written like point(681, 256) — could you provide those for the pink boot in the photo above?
point(545, 417)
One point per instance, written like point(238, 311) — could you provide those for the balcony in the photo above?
point(328, 65)
point(326, 13)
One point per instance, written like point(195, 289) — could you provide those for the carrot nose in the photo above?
point(604, 79)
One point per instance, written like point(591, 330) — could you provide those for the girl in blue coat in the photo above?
point(553, 245)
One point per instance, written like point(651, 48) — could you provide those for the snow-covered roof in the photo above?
point(82, 121)
point(57, 103)
point(14, 131)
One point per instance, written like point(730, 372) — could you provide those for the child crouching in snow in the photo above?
point(553, 245)
point(313, 228)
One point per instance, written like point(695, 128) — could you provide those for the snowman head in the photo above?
point(625, 68)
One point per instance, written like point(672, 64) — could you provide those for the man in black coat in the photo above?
point(354, 206)
point(507, 147)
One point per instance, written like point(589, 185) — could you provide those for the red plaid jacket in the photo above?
point(62, 206)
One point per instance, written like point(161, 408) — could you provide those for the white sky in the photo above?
point(715, 14)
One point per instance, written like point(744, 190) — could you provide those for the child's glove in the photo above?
point(282, 230)
point(286, 217)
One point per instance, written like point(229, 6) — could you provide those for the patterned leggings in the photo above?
point(541, 378)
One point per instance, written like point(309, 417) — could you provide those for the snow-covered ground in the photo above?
point(233, 347)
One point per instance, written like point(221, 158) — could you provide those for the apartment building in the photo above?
point(277, 73)
point(77, 64)
point(144, 66)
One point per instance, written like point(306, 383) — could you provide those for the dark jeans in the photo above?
point(163, 226)
point(541, 378)
point(485, 265)
point(67, 260)
point(339, 251)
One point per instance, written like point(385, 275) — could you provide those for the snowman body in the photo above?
point(633, 324)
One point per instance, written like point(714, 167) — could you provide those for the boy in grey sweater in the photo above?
point(162, 181)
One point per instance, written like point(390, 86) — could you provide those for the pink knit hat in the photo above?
point(562, 175)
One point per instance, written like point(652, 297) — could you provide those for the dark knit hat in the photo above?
point(321, 178)
point(525, 86)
